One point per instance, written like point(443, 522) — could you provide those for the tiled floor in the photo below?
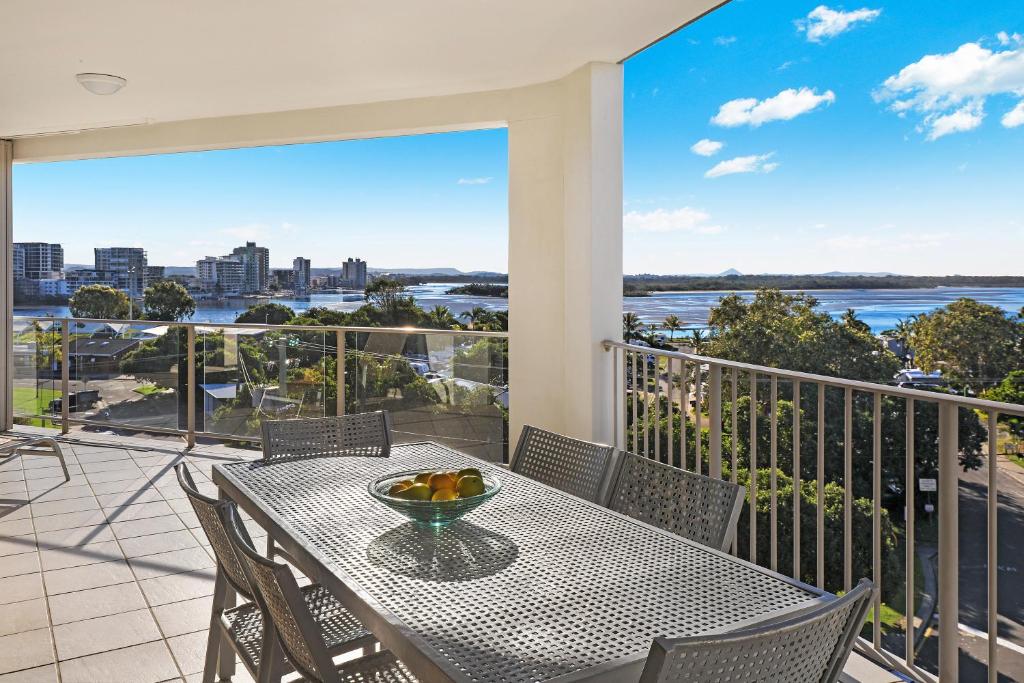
point(106, 578)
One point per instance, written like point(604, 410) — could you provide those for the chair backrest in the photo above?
point(571, 465)
point(367, 434)
point(810, 647)
point(283, 607)
point(208, 511)
point(690, 505)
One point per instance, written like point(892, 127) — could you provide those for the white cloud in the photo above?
point(824, 22)
point(963, 119)
point(475, 181)
point(750, 164)
point(1014, 117)
point(787, 105)
point(707, 148)
point(1005, 38)
point(686, 219)
point(949, 90)
point(725, 40)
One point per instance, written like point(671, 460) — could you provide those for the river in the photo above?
point(879, 308)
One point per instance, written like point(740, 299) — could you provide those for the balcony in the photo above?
point(197, 393)
point(106, 577)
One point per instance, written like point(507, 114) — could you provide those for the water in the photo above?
point(879, 308)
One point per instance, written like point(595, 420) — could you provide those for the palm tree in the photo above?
point(631, 326)
point(698, 340)
point(477, 316)
point(440, 318)
point(672, 323)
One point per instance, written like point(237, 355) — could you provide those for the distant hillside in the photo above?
point(638, 285)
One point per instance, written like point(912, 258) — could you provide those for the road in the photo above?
point(973, 582)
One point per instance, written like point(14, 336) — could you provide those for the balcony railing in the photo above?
point(219, 380)
point(858, 467)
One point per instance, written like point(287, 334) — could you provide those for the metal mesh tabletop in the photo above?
point(534, 585)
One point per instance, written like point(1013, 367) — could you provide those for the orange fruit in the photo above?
point(442, 480)
point(396, 488)
point(470, 485)
point(416, 492)
point(444, 494)
point(423, 477)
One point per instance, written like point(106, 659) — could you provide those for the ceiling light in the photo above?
point(101, 84)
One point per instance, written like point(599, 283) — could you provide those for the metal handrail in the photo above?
point(271, 328)
point(827, 380)
point(194, 327)
point(700, 378)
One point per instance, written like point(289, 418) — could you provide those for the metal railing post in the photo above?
point(190, 407)
point(949, 553)
point(992, 569)
point(65, 376)
point(715, 418)
point(340, 371)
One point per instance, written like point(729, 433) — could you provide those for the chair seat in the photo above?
point(381, 667)
point(342, 631)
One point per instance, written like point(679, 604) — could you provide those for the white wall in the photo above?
point(6, 284)
point(565, 216)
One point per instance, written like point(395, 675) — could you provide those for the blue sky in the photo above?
point(881, 136)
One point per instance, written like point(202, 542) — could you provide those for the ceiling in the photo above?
point(192, 59)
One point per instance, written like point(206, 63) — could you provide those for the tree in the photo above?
point(790, 331)
point(1010, 390)
point(167, 300)
point(632, 328)
point(100, 301)
point(477, 317)
point(850, 320)
point(974, 344)
point(388, 296)
point(440, 318)
point(698, 341)
point(268, 314)
point(672, 323)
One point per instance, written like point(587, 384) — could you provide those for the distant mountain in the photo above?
point(731, 271)
point(434, 271)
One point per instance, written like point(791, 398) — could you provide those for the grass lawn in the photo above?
point(29, 401)
point(149, 390)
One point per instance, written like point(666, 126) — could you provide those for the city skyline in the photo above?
point(789, 138)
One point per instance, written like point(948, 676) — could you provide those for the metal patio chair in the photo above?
point(241, 629)
point(366, 434)
point(13, 445)
point(570, 465)
point(360, 434)
point(690, 505)
point(811, 647)
point(292, 628)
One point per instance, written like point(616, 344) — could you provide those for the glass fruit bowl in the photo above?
point(434, 513)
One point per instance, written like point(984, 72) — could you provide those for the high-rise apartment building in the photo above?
point(38, 269)
point(126, 266)
point(221, 274)
point(353, 272)
point(300, 267)
point(255, 267)
point(18, 263)
point(39, 260)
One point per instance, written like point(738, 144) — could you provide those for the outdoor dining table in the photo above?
point(535, 585)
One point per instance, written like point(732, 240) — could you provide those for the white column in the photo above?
point(565, 257)
point(6, 286)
